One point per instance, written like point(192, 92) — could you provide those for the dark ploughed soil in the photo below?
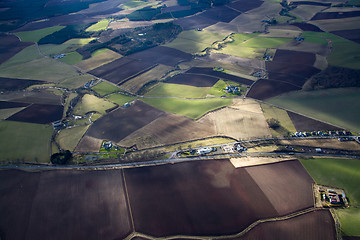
point(303, 123)
point(175, 9)
point(353, 35)
point(290, 57)
point(222, 75)
point(195, 80)
point(311, 3)
point(287, 185)
point(9, 46)
point(66, 204)
point(39, 113)
point(245, 5)
point(121, 69)
point(122, 122)
point(335, 15)
point(310, 226)
point(220, 14)
point(307, 27)
point(197, 198)
point(195, 22)
point(263, 89)
point(13, 84)
point(162, 55)
point(5, 104)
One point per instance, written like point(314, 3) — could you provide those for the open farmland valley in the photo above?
point(179, 119)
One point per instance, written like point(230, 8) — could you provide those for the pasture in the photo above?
point(100, 25)
point(70, 137)
point(286, 125)
point(105, 88)
point(337, 172)
point(341, 173)
point(72, 58)
point(193, 41)
point(36, 35)
point(120, 99)
point(191, 108)
point(326, 105)
point(91, 103)
point(251, 45)
point(76, 81)
point(177, 90)
point(98, 59)
point(350, 221)
point(22, 142)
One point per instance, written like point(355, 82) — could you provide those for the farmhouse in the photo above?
point(107, 145)
point(203, 151)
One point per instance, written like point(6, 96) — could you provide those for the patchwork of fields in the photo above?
point(161, 76)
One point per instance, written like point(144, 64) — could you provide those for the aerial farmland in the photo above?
point(179, 119)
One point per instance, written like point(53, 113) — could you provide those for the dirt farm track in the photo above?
point(203, 198)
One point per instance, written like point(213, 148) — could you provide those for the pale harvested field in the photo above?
point(306, 12)
point(89, 144)
point(330, 25)
point(238, 64)
point(288, 31)
point(134, 84)
point(98, 60)
point(169, 129)
point(306, 47)
point(248, 161)
point(323, 143)
point(7, 112)
point(129, 24)
point(249, 22)
point(321, 62)
point(223, 28)
point(242, 120)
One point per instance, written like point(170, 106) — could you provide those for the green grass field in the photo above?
point(193, 108)
point(36, 35)
point(349, 221)
point(177, 90)
point(22, 142)
point(251, 45)
point(72, 58)
point(92, 103)
point(120, 99)
point(132, 4)
point(26, 55)
point(341, 173)
point(100, 25)
point(99, 51)
point(105, 88)
point(69, 138)
point(193, 41)
point(344, 53)
point(286, 124)
point(336, 106)
point(218, 90)
point(75, 82)
point(45, 69)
